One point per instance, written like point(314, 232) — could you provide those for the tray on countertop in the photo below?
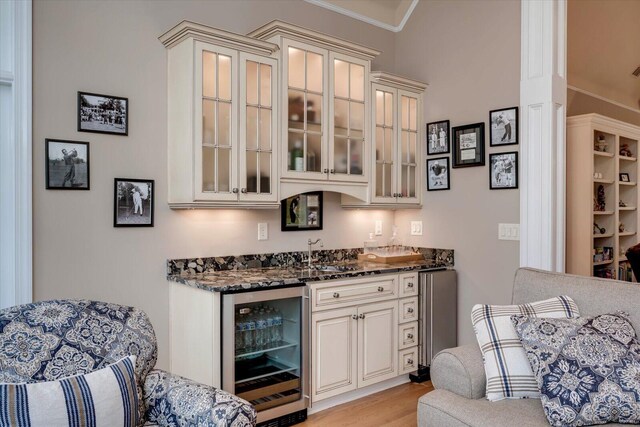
point(390, 259)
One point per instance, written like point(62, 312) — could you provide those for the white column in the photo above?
point(543, 93)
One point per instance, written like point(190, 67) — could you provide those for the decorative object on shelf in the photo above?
point(503, 171)
point(103, 114)
point(597, 229)
point(602, 254)
point(468, 145)
point(622, 204)
point(67, 165)
point(625, 150)
point(438, 174)
point(438, 137)
point(133, 202)
point(302, 212)
point(624, 177)
point(504, 127)
point(601, 144)
point(597, 175)
point(601, 202)
point(621, 227)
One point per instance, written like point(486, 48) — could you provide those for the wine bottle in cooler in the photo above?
point(249, 331)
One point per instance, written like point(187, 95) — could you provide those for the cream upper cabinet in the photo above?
point(222, 119)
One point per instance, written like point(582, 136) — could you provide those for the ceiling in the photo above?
point(603, 48)
point(388, 14)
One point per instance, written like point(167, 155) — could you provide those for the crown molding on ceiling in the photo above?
point(602, 98)
point(367, 19)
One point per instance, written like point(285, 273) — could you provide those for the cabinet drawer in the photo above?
point(408, 360)
point(407, 335)
point(408, 310)
point(355, 291)
point(408, 285)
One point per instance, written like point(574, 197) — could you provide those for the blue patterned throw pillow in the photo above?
point(588, 369)
point(106, 397)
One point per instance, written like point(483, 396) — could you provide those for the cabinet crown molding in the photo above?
point(187, 29)
point(397, 81)
point(280, 28)
point(599, 119)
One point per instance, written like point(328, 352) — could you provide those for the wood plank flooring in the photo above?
point(396, 407)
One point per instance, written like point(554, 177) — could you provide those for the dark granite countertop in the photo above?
point(279, 276)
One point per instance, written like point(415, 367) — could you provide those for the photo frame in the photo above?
point(99, 113)
point(302, 212)
point(503, 171)
point(624, 177)
point(67, 162)
point(503, 127)
point(468, 145)
point(133, 202)
point(438, 174)
point(438, 137)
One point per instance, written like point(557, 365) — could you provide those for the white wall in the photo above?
point(469, 53)
point(111, 47)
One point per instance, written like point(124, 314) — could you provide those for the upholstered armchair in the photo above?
point(50, 340)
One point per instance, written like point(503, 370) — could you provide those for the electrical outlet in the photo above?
point(416, 228)
point(263, 231)
point(378, 230)
point(508, 231)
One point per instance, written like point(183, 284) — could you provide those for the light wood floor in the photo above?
point(396, 407)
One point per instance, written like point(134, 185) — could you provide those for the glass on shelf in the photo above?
point(314, 152)
point(296, 109)
point(341, 117)
point(314, 112)
point(295, 161)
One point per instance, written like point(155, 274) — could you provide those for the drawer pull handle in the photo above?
point(410, 336)
point(410, 310)
point(410, 362)
point(361, 316)
point(410, 285)
point(354, 316)
point(336, 295)
point(380, 289)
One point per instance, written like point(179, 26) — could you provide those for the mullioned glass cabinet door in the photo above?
point(408, 149)
point(215, 134)
point(385, 174)
point(258, 128)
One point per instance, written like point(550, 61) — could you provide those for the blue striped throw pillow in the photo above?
point(106, 397)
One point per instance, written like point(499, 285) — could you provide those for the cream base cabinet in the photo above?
point(377, 342)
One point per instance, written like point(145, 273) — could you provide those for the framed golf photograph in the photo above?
point(438, 137)
point(103, 114)
point(438, 174)
point(133, 202)
point(302, 212)
point(503, 127)
point(468, 145)
point(67, 164)
point(503, 171)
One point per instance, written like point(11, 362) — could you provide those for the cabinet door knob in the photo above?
point(410, 336)
point(354, 316)
point(410, 310)
point(332, 171)
point(361, 316)
point(336, 295)
point(325, 171)
point(380, 289)
point(235, 191)
point(410, 285)
point(410, 362)
point(244, 191)
point(400, 195)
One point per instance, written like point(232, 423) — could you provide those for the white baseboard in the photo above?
point(357, 394)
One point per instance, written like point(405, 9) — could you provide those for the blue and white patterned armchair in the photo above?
point(49, 340)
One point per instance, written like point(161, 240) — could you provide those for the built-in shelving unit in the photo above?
point(600, 151)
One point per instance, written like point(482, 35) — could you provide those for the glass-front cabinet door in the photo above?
point(348, 135)
point(409, 148)
point(215, 118)
point(304, 118)
point(385, 142)
point(258, 128)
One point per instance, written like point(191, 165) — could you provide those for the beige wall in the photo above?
point(581, 103)
point(469, 53)
point(112, 47)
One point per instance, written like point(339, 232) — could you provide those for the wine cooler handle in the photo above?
point(336, 295)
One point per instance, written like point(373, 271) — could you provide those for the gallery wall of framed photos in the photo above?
point(466, 146)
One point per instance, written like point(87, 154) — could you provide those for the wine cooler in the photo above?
point(265, 345)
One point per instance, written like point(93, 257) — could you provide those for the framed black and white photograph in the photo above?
point(302, 212)
point(103, 114)
point(438, 174)
point(438, 137)
point(468, 145)
point(504, 127)
point(67, 165)
point(624, 177)
point(133, 202)
point(503, 170)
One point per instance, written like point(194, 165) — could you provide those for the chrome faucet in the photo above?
point(311, 243)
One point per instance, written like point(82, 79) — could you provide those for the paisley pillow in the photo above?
point(588, 369)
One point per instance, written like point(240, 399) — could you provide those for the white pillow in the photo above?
point(507, 368)
point(106, 397)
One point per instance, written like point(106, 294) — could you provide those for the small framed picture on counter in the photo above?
point(468, 145)
point(133, 202)
point(302, 212)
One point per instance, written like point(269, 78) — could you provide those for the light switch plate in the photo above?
point(416, 228)
point(509, 231)
point(378, 230)
point(263, 231)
